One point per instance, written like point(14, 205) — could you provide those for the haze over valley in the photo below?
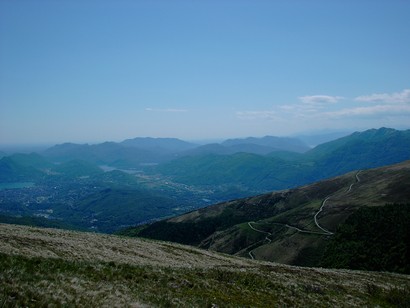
point(277, 201)
point(229, 153)
point(109, 186)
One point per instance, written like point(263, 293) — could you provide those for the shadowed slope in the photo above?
point(299, 220)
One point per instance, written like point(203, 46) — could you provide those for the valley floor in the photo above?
point(48, 267)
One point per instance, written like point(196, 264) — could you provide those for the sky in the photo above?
point(92, 71)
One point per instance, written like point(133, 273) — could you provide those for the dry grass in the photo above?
point(93, 247)
point(46, 267)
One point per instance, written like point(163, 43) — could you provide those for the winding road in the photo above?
point(324, 231)
point(260, 231)
point(251, 255)
point(268, 233)
point(324, 203)
point(318, 212)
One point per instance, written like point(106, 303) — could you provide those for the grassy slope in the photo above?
point(224, 228)
point(40, 267)
point(377, 187)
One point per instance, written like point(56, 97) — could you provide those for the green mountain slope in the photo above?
point(13, 171)
point(369, 149)
point(251, 145)
point(373, 238)
point(111, 209)
point(48, 267)
point(31, 160)
point(250, 171)
point(392, 136)
point(280, 226)
point(257, 173)
point(77, 168)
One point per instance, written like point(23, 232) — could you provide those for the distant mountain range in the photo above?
point(296, 226)
point(274, 143)
point(171, 145)
point(232, 165)
point(138, 152)
point(313, 140)
point(70, 180)
point(108, 153)
point(312, 218)
point(279, 170)
point(131, 153)
point(251, 145)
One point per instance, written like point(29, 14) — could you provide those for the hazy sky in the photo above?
point(89, 71)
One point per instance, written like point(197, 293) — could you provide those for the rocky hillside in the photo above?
point(49, 267)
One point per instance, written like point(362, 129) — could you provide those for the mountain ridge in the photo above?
point(58, 190)
point(168, 144)
point(288, 214)
point(133, 152)
point(281, 170)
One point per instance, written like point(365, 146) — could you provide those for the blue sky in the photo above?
point(90, 71)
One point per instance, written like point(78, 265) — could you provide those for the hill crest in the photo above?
point(48, 266)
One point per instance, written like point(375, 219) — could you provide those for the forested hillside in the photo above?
point(373, 238)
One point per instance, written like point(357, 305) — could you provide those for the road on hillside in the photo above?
point(260, 231)
point(318, 212)
point(325, 232)
point(268, 233)
point(251, 255)
point(324, 203)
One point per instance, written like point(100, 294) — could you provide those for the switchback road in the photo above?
point(324, 203)
point(325, 232)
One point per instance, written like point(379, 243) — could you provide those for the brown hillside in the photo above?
point(47, 267)
point(290, 226)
